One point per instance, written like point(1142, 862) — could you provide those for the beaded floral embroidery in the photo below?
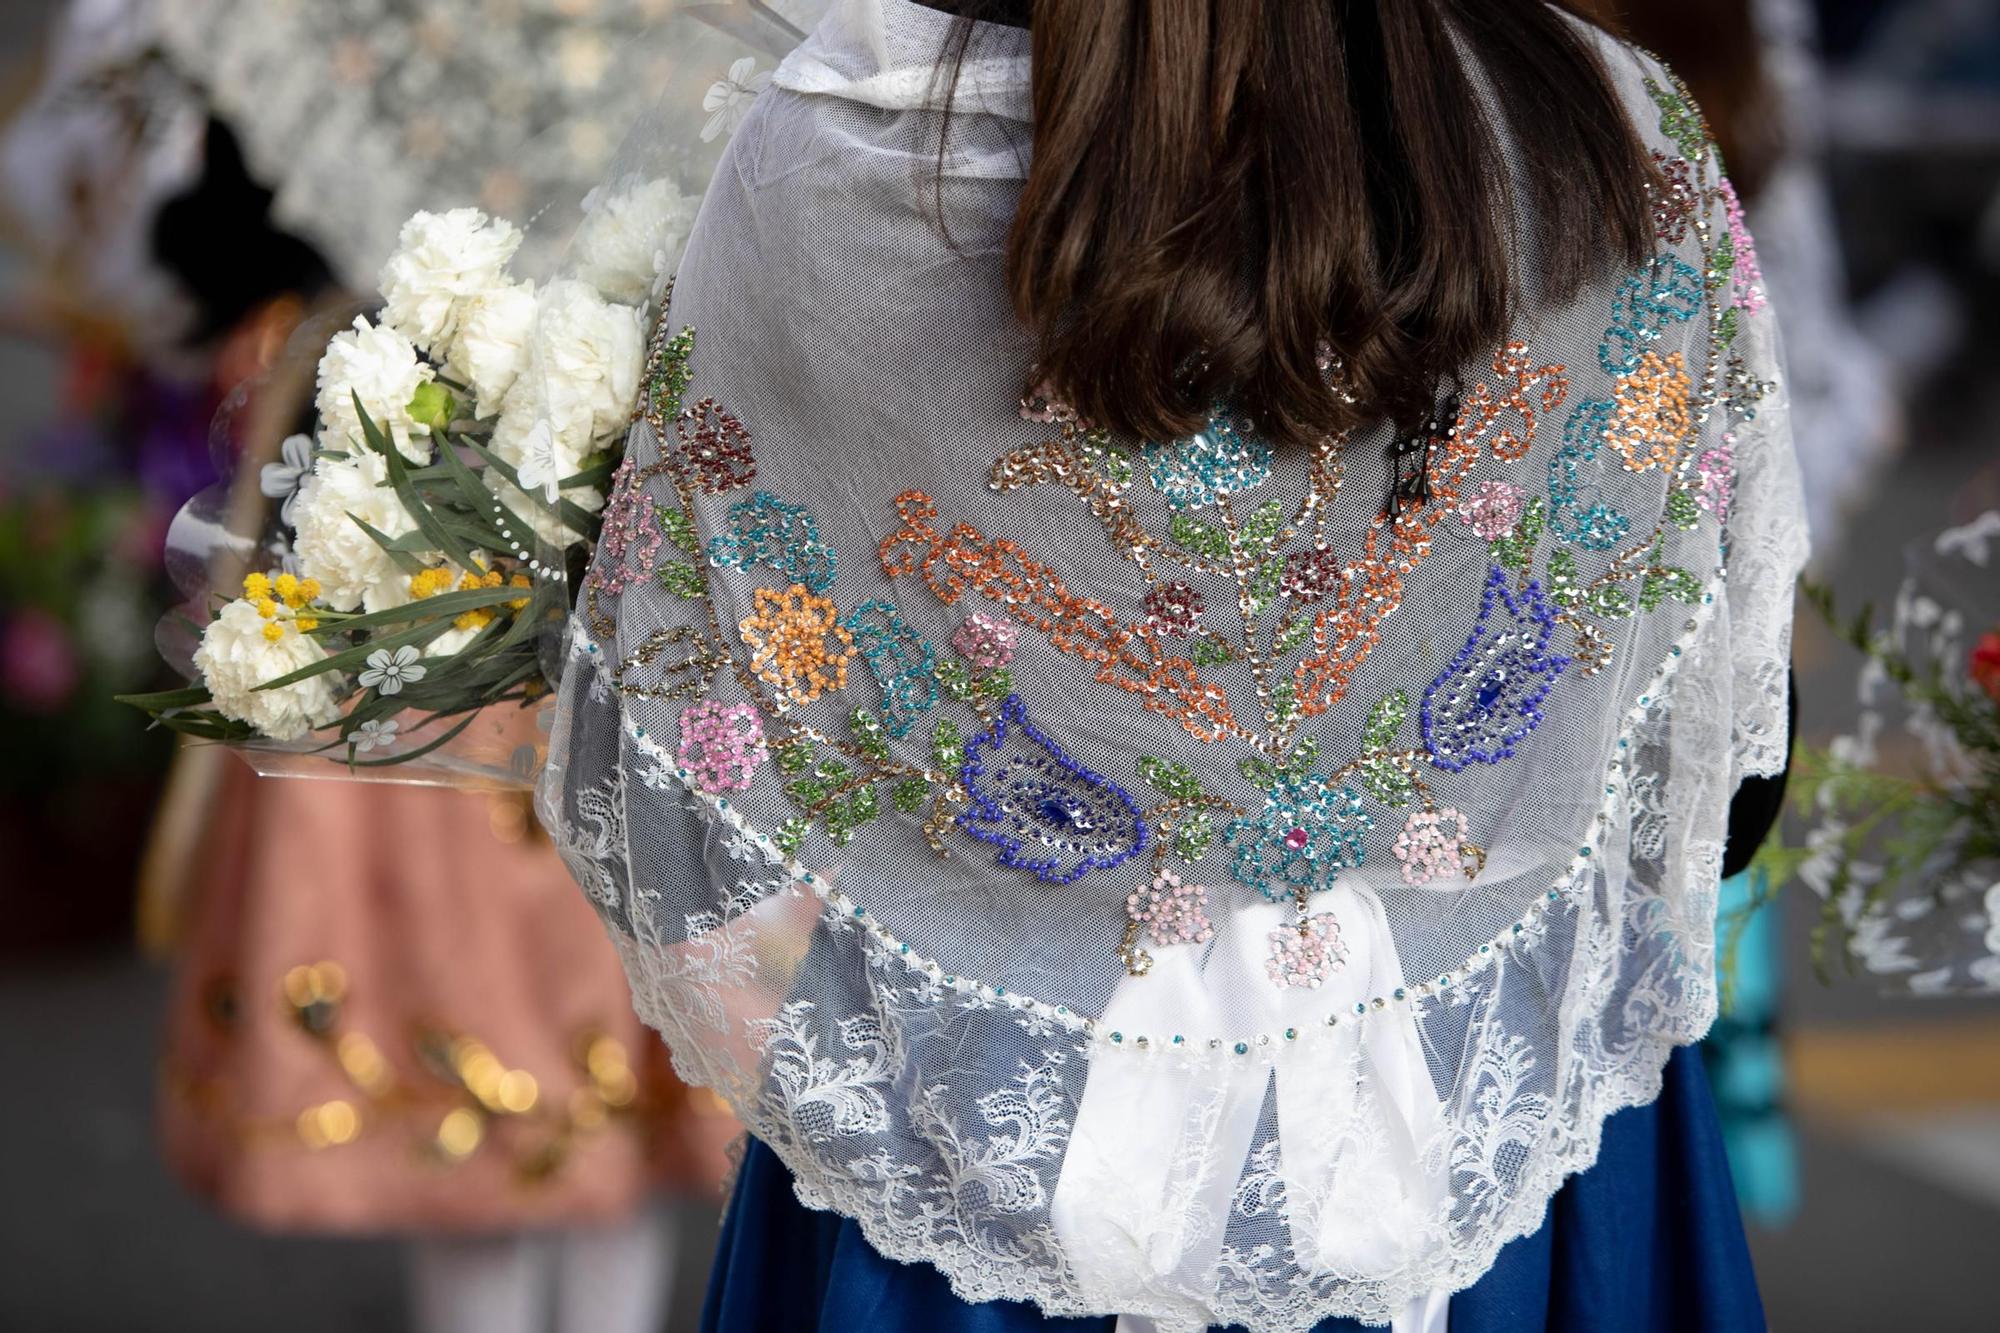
point(721, 744)
point(797, 644)
point(1273, 589)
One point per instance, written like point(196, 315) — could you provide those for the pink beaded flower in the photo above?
point(1172, 912)
point(984, 641)
point(1306, 953)
point(1746, 276)
point(721, 744)
point(1431, 845)
point(1173, 608)
point(1715, 477)
point(1493, 509)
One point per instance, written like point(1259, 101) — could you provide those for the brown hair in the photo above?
point(1220, 189)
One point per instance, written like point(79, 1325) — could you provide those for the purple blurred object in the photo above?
point(38, 664)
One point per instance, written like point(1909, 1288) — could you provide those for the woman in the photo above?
point(1159, 703)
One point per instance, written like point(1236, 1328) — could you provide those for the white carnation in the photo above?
point(380, 366)
point(443, 263)
point(352, 569)
point(531, 432)
point(491, 342)
point(235, 658)
point(584, 362)
point(627, 237)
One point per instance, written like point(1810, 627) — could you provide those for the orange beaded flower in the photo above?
point(1652, 421)
point(789, 644)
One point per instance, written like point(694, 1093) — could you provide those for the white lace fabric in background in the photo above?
point(901, 727)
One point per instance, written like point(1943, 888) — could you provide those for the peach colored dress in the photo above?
point(395, 1012)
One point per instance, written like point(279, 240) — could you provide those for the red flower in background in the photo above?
point(1984, 666)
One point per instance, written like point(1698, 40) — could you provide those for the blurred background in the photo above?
point(273, 1092)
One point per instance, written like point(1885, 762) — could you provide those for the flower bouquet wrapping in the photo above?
point(376, 600)
point(1903, 814)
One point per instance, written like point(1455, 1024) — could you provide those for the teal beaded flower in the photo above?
point(1307, 833)
point(1202, 468)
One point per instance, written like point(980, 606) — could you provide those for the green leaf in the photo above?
point(1385, 722)
point(948, 745)
point(955, 677)
point(1194, 837)
point(1191, 534)
point(790, 834)
point(1563, 589)
point(1175, 779)
point(398, 555)
point(356, 657)
point(1726, 327)
point(868, 735)
point(1211, 651)
point(795, 758)
point(682, 579)
point(406, 490)
point(997, 683)
point(678, 527)
point(1682, 511)
point(405, 756)
point(1258, 771)
point(909, 795)
point(1387, 782)
point(191, 697)
point(1262, 526)
point(445, 604)
point(1292, 636)
point(1611, 600)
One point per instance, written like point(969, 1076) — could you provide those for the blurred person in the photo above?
point(337, 1060)
point(1066, 395)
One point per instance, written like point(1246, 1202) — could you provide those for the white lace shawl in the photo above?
point(903, 730)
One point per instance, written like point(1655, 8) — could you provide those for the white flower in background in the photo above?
point(624, 234)
point(352, 569)
point(371, 734)
point(1992, 902)
point(527, 430)
point(541, 465)
point(389, 671)
point(491, 342)
point(235, 657)
point(453, 641)
point(443, 263)
point(381, 366)
point(583, 365)
point(280, 480)
point(728, 99)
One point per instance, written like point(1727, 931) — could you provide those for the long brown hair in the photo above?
point(1220, 189)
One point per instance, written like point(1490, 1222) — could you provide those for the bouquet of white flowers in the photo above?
point(415, 548)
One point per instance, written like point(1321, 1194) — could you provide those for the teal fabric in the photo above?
point(1647, 1241)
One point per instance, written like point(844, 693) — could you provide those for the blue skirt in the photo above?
point(1647, 1241)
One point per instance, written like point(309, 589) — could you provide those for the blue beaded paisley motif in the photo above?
point(1045, 812)
point(1202, 468)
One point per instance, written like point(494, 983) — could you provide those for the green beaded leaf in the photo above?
point(1682, 511)
point(843, 818)
point(1722, 259)
point(1191, 534)
point(795, 758)
point(1261, 528)
point(1387, 782)
point(1302, 756)
point(948, 745)
point(1611, 601)
point(1725, 328)
point(683, 580)
point(1385, 721)
point(790, 834)
point(1263, 587)
point(1284, 702)
point(1175, 779)
point(678, 527)
point(909, 795)
point(1679, 122)
point(955, 676)
point(1292, 636)
point(1517, 549)
point(1673, 581)
point(868, 734)
point(1194, 837)
point(670, 375)
point(807, 792)
point(1563, 589)
point(1211, 651)
point(1257, 770)
point(997, 683)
